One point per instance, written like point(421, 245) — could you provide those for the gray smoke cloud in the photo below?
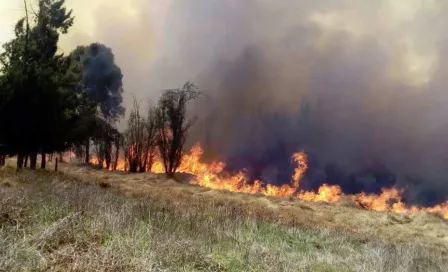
point(358, 85)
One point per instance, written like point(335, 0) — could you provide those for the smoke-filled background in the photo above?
point(360, 86)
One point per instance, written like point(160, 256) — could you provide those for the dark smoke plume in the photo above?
point(360, 86)
point(101, 78)
point(276, 82)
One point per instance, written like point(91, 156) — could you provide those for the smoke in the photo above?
point(360, 86)
point(102, 79)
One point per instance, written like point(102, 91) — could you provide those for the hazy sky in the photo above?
point(130, 27)
point(135, 29)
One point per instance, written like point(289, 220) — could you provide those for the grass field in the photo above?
point(88, 220)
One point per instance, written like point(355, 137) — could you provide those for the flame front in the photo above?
point(214, 176)
point(325, 193)
point(391, 200)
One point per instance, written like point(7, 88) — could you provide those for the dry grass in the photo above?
point(58, 222)
point(428, 229)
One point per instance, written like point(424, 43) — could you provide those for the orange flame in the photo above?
point(299, 171)
point(325, 193)
point(391, 200)
point(213, 176)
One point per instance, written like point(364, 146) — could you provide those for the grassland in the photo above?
point(87, 220)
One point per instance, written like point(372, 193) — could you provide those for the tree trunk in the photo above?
point(107, 163)
point(133, 165)
point(100, 156)
point(56, 165)
point(19, 161)
point(150, 160)
point(88, 151)
point(25, 163)
point(43, 163)
point(117, 154)
point(144, 166)
point(2, 160)
point(108, 154)
point(126, 163)
point(33, 160)
point(61, 157)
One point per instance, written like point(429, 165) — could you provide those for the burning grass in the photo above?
point(213, 176)
point(60, 222)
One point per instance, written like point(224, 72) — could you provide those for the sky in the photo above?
point(139, 26)
point(130, 25)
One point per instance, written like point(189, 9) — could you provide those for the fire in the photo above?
point(441, 209)
point(120, 165)
point(214, 176)
point(387, 200)
point(299, 171)
point(325, 193)
point(391, 200)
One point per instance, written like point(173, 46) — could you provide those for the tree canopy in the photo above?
point(101, 78)
point(38, 102)
point(49, 101)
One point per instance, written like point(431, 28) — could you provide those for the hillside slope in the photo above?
point(89, 220)
point(429, 229)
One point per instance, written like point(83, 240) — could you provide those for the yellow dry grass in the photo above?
point(428, 229)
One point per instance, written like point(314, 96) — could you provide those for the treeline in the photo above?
point(163, 132)
point(51, 102)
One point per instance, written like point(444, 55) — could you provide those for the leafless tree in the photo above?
point(139, 141)
point(117, 143)
point(133, 143)
point(173, 125)
point(150, 140)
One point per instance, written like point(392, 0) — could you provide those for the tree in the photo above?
point(117, 142)
point(104, 137)
point(133, 143)
point(140, 139)
point(150, 139)
point(2, 155)
point(101, 81)
point(173, 125)
point(36, 95)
